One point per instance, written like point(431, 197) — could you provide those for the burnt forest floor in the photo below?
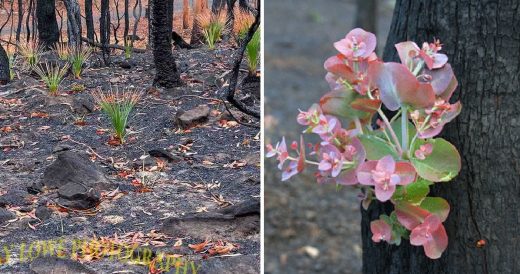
point(219, 163)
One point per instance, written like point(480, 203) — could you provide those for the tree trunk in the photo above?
point(196, 32)
point(127, 23)
point(47, 25)
point(20, 20)
point(104, 29)
point(166, 73)
point(482, 41)
point(185, 14)
point(366, 15)
point(73, 22)
point(28, 21)
point(218, 5)
point(150, 25)
point(5, 75)
point(89, 20)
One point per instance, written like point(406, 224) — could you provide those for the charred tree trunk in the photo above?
point(150, 24)
point(5, 75)
point(47, 25)
point(185, 14)
point(196, 32)
point(166, 73)
point(28, 21)
point(104, 29)
point(137, 11)
point(366, 15)
point(20, 20)
point(230, 18)
point(482, 40)
point(73, 22)
point(127, 23)
point(218, 5)
point(233, 81)
point(89, 19)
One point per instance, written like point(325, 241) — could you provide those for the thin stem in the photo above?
point(392, 133)
point(404, 128)
point(358, 125)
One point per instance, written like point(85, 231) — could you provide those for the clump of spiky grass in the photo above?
point(78, 57)
point(52, 75)
point(253, 52)
point(63, 51)
point(117, 105)
point(212, 26)
point(128, 48)
point(31, 52)
point(243, 20)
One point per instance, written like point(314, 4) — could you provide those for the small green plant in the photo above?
point(253, 52)
point(52, 75)
point(77, 87)
point(78, 57)
point(63, 51)
point(31, 52)
point(12, 61)
point(128, 48)
point(117, 105)
point(212, 26)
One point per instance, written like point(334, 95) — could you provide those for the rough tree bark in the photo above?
point(48, 32)
point(127, 23)
point(185, 14)
point(20, 20)
point(5, 75)
point(218, 5)
point(104, 29)
point(150, 25)
point(482, 40)
point(166, 74)
point(89, 19)
point(196, 32)
point(73, 22)
point(28, 21)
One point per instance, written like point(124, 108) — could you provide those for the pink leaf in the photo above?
point(380, 231)
point(409, 215)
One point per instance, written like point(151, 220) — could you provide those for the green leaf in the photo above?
point(398, 231)
point(376, 148)
point(437, 206)
point(413, 193)
point(442, 165)
point(339, 103)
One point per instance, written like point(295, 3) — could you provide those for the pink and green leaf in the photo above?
point(442, 165)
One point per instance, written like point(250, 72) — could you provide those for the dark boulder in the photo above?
point(48, 265)
point(193, 117)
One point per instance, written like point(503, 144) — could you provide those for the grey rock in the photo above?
point(6, 215)
point(193, 117)
point(245, 264)
point(78, 196)
point(51, 265)
point(73, 167)
point(249, 207)
point(234, 222)
point(15, 197)
point(163, 153)
point(43, 213)
point(83, 104)
point(61, 148)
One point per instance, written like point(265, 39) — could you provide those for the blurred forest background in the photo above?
point(309, 228)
